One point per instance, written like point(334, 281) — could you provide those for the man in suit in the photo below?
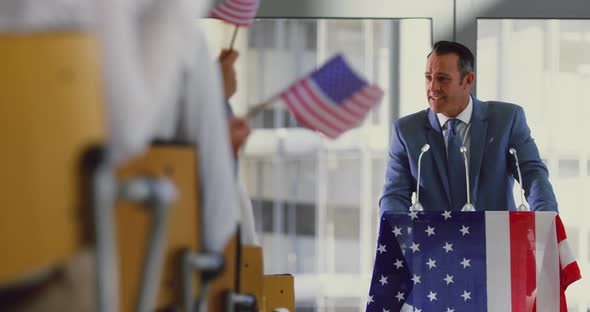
point(455, 118)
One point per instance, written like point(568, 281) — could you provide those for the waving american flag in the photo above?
point(237, 12)
point(332, 99)
point(471, 261)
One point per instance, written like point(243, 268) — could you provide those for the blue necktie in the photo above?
point(456, 166)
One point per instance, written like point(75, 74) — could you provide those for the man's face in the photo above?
point(447, 93)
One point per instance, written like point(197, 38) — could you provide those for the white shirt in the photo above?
point(463, 126)
point(155, 57)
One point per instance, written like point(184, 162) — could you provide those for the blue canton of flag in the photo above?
point(338, 81)
point(429, 262)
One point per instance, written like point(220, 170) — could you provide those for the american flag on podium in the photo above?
point(331, 99)
point(471, 261)
point(237, 12)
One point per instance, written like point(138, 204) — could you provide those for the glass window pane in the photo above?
point(413, 52)
point(316, 200)
point(544, 66)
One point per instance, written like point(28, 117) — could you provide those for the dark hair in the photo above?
point(466, 59)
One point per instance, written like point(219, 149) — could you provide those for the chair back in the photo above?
point(178, 163)
point(51, 115)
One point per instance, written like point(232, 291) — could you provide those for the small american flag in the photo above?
point(471, 261)
point(237, 12)
point(332, 99)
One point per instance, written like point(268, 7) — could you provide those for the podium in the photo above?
point(471, 261)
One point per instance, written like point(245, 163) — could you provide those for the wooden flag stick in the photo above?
point(260, 107)
point(233, 38)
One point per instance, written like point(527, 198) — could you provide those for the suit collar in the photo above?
point(479, 129)
point(432, 121)
point(480, 110)
point(435, 138)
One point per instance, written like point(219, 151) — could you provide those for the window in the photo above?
point(543, 65)
point(316, 200)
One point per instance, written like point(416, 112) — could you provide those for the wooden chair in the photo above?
point(224, 286)
point(178, 163)
point(252, 273)
point(279, 292)
point(50, 119)
point(271, 291)
point(52, 124)
point(187, 275)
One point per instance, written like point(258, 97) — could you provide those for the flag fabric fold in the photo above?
point(237, 12)
point(471, 261)
point(332, 99)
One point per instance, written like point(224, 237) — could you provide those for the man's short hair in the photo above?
point(466, 59)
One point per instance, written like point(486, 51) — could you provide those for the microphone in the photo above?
point(468, 206)
point(417, 206)
point(522, 206)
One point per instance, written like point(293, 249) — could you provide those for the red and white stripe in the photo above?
point(237, 12)
point(533, 270)
point(316, 111)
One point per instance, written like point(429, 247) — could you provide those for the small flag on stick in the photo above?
point(236, 12)
point(332, 99)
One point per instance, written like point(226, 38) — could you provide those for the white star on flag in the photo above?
point(381, 249)
point(466, 295)
point(431, 263)
point(465, 262)
point(415, 247)
point(370, 300)
point(429, 230)
point(448, 279)
point(448, 247)
point(397, 231)
point(416, 279)
point(417, 310)
point(464, 230)
point(446, 214)
point(413, 215)
point(385, 310)
point(450, 310)
point(398, 263)
point(432, 296)
point(399, 296)
point(383, 280)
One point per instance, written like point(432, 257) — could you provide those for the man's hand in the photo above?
point(227, 60)
point(239, 130)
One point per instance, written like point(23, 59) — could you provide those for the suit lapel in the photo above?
point(479, 129)
point(439, 152)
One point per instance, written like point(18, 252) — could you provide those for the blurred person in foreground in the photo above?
point(160, 84)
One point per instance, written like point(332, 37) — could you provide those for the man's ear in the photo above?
point(469, 79)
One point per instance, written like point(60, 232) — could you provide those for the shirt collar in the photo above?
point(464, 116)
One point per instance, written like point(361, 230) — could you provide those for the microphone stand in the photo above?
point(522, 206)
point(417, 206)
point(468, 206)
